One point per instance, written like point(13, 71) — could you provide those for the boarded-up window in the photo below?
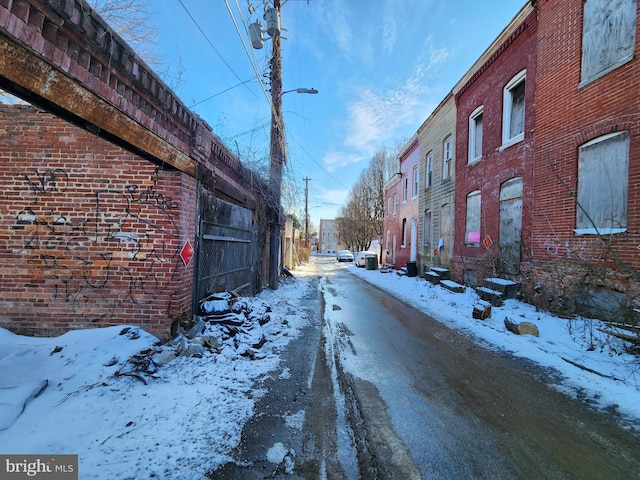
point(427, 228)
point(472, 234)
point(603, 177)
point(608, 36)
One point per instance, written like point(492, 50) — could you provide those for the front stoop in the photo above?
point(496, 290)
point(452, 286)
point(436, 274)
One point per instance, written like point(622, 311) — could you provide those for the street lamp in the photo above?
point(277, 159)
point(311, 91)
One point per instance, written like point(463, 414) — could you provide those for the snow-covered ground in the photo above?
point(99, 399)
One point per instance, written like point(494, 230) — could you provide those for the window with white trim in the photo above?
point(513, 110)
point(475, 135)
point(608, 36)
point(472, 229)
point(395, 203)
point(388, 206)
point(429, 170)
point(416, 181)
point(405, 188)
point(447, 157)
point(603, 182)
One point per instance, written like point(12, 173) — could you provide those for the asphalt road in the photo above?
point(390, 393)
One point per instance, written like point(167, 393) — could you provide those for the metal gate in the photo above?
point(226, 248)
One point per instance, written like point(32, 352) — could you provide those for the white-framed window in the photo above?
point(395, 203)
point(388, 206)
point(472, 230)
point(416, 181)
point(513, 110)
point(429, 170)
point(405, 188)
point(447, 157)
point(608, 36)
point(475, 135)
point(426, 228)
point(603, 182)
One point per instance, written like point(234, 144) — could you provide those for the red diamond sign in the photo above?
point(186, 254)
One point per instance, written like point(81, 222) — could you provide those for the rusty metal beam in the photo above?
point(28, 71)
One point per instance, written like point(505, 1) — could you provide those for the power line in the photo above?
point(220, 93)
point(211, 44)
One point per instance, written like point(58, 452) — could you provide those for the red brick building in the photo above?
point(586, 173)
point(91, 233)
point(402, 208)
point(495, 104)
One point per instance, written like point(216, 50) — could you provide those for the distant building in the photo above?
point(328, 236)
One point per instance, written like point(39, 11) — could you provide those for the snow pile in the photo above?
point(132, 408)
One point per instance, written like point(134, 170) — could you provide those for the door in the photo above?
point(414, 240)
point(510, 239)
point(444, 242)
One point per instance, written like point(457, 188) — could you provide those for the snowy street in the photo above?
point(347, 382)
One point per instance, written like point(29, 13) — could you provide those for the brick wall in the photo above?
point(392, 221)
point(90, 234)
point(567, 116)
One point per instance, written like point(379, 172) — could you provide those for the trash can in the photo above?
point(370, 261)
point(412, 269)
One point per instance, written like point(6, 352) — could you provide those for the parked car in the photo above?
point(360, 258)
point(344, 256)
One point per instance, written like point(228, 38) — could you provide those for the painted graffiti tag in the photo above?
point(112, 251)
point(51, 180)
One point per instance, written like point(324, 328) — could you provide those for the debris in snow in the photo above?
point(226, 323)
point(522, 328)
point(482, 310)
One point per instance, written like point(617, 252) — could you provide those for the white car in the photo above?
point(344, 256)
point(361, 258)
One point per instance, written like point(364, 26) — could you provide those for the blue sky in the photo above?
point(380, 66)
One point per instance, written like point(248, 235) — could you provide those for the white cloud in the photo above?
point(389, 27)
point(333, 160)
point(375, 116)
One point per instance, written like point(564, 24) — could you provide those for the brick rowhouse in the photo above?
point(91, 233)
point(482, 95)
point(572, 111)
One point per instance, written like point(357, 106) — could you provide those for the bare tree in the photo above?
point(361, 220)
point(132, 20)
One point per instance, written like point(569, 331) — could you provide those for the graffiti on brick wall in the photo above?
point(104, 248)
point(587, 251)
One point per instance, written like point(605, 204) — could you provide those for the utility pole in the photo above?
point(306, 213)
point(276, 153)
